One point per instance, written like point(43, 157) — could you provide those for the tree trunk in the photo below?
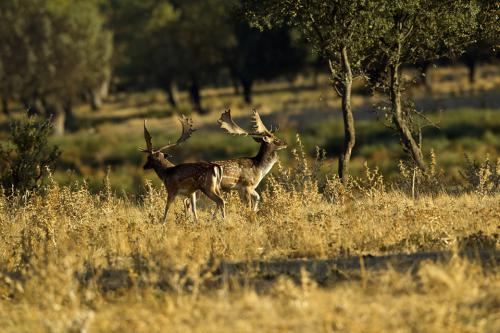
point(55, 112)
point(194, 92)
point(5, 106)
point(69, 117)
point(400, 120)
point(34, 105)
point(95, 99)
point(247, 90)
point(171, 92)
point(471, 65)
point(348, 118)
point(104, 88)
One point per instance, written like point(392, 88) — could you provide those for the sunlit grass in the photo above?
point(72, 261)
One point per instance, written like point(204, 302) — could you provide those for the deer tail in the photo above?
point(218, 173)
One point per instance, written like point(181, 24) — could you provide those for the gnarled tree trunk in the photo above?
point(345, 90)
point(401, 122)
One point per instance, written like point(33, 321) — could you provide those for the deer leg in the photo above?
point(187, 205)
point(218, 201)
point(245, 196)
point(193, 205)
point(170, 199)
point(248, 197)
point(255, 199)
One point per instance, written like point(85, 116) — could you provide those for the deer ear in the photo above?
point(165, 155)
point(267, 139)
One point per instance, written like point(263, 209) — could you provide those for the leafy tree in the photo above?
point(161, 43)
point(262, 55)
point(414, 31)
point(342, 31)
point(487, 37)
point(24, 166)
point(52, 50)
point(202, 34)
point(130, 21)
point(165, 64)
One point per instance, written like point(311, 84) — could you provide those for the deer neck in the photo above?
point(161, 166)
point(266, 157)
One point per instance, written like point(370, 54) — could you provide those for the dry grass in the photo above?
point(76, 262)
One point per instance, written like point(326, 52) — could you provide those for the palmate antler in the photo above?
point(226, 122)
point(258, 125)
point(187, 131)
point(259, 129)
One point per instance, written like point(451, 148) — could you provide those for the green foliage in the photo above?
point(52, 50)
point(194, 43)
point(24, 166)
point(482, 178)
point(262, 55)
point(488, 29)
point(171, 40)
point(418, 30)
point(329, 27)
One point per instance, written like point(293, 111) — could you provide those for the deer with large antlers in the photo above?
point(245, 173)
point(186, 178)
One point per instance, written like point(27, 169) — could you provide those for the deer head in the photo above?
point(156, 156)
point(259, 132)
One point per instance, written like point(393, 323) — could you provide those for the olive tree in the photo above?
point(262, 55)
point(52, 50)
point(487, 36)
point(414, 31)
point(341, 31)
point(203, 34)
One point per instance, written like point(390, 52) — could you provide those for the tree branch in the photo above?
point(335, 78)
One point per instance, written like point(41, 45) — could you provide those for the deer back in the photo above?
point(187, 178)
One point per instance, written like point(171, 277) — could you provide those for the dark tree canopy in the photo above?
point(413, 31)
point(342, 32)
point(51, 51)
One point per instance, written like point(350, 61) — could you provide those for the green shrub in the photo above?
point(27, 158)
point(482, 178)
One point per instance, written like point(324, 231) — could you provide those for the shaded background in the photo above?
point(98, 68)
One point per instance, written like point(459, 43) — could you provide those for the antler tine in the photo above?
point(187, 131)
point(258, 125)
point(187, 128)
point(148, 139)
point(226, 122)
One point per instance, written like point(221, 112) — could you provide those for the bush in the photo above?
point(26, 160)
point(482, 178)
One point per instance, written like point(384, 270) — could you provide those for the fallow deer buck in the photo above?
point(245, 173)
point(186, 178)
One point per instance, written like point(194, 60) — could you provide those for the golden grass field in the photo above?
point(82, 258)
point(77, 262)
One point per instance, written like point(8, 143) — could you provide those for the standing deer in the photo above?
point(245, 173)
point(186, 178)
